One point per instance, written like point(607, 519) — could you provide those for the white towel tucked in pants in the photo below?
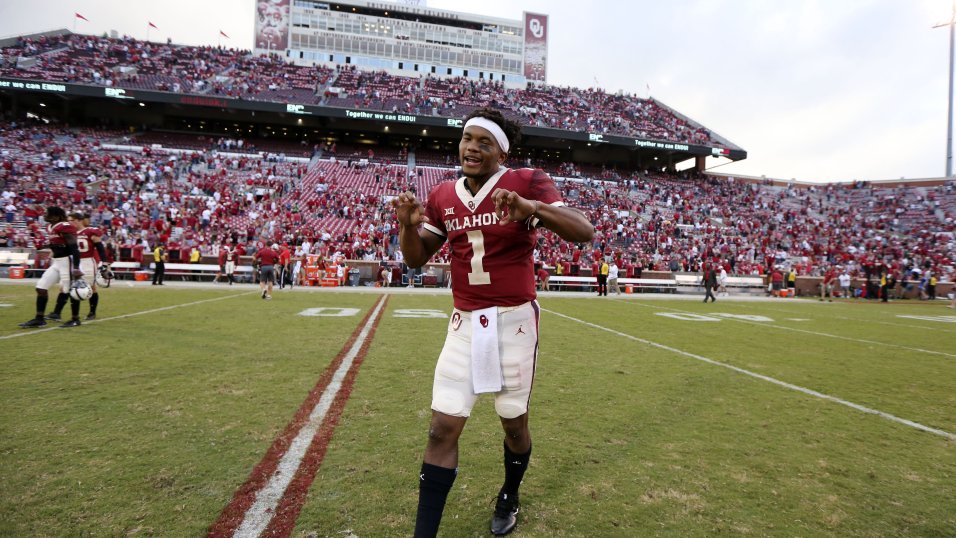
point(485, 359)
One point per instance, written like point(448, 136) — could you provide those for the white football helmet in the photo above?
point(104, 276)
point(80, 290)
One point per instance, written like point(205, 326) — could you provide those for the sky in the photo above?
point(813, 90)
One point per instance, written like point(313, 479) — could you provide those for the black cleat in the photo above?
point(505, 518)
point(33, 323)
point(90, 317)
point(53, 316)
point(71, 323)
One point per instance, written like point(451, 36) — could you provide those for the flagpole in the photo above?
point(949, 119)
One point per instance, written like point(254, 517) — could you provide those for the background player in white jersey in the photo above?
point(65, 266)
point(488, 218)
point(227, 262)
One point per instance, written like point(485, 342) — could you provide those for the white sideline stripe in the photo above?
point(27, 332)
point(258, 516)
point(811, 392)
point(815, 333)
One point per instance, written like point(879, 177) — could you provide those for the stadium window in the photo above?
point(449, 70)
point(433, 69)
point(481, 74)
point(401, 65)
point(466, 72)
point(416, 67)
point(348, 59)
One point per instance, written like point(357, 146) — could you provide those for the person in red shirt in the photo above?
point(488, 217)
point(65, 267)
point(285, 266)
point(266, 258)
point(543, 277)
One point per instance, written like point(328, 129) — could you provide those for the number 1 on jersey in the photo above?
point(478, 275)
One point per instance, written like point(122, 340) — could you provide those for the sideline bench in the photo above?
point(187, 271)
point(202, 270)
point(739, 283)
point(746, 283)
point(15, 258)
point(589, 283)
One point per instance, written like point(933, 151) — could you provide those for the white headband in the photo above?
point(492, 128)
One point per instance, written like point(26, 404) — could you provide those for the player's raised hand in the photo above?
point(511, 207)
point(408, 210)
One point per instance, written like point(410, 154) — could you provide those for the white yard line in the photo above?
point(935, 328)
point(805, 331)
point(858, 407)
point(27, 332)
point(259, 515)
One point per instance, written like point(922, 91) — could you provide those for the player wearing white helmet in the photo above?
point(92, 257)
point(64, 268)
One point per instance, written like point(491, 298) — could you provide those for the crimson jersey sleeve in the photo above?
point(541, 187)
point(59, 231)
point(491, 263)
point(58, 234)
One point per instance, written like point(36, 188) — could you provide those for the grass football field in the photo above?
point(650, 417)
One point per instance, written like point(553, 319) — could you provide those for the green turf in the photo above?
point(146, 425)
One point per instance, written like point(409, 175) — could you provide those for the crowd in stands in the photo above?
point(217, 71)
point(338, 206)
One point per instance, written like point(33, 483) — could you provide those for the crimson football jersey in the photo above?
point(84, 242)
point(55, 234)
point(491, 264)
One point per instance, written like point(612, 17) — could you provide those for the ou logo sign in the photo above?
point(537, 29)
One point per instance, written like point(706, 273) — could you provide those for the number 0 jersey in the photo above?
point(491, 264)
point(84, 242)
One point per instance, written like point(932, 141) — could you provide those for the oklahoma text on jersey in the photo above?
point(474, 221)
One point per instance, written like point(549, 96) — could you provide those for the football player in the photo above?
point(65, 266)
point(92, 254)
point(488, 217)
point(227, 262)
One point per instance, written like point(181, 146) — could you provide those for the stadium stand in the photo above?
point(199, 196)
point(197, 190)
point(234, 73)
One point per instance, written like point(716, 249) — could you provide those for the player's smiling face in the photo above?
point(479, 153)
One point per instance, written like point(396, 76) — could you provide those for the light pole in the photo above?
point(949, 116)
